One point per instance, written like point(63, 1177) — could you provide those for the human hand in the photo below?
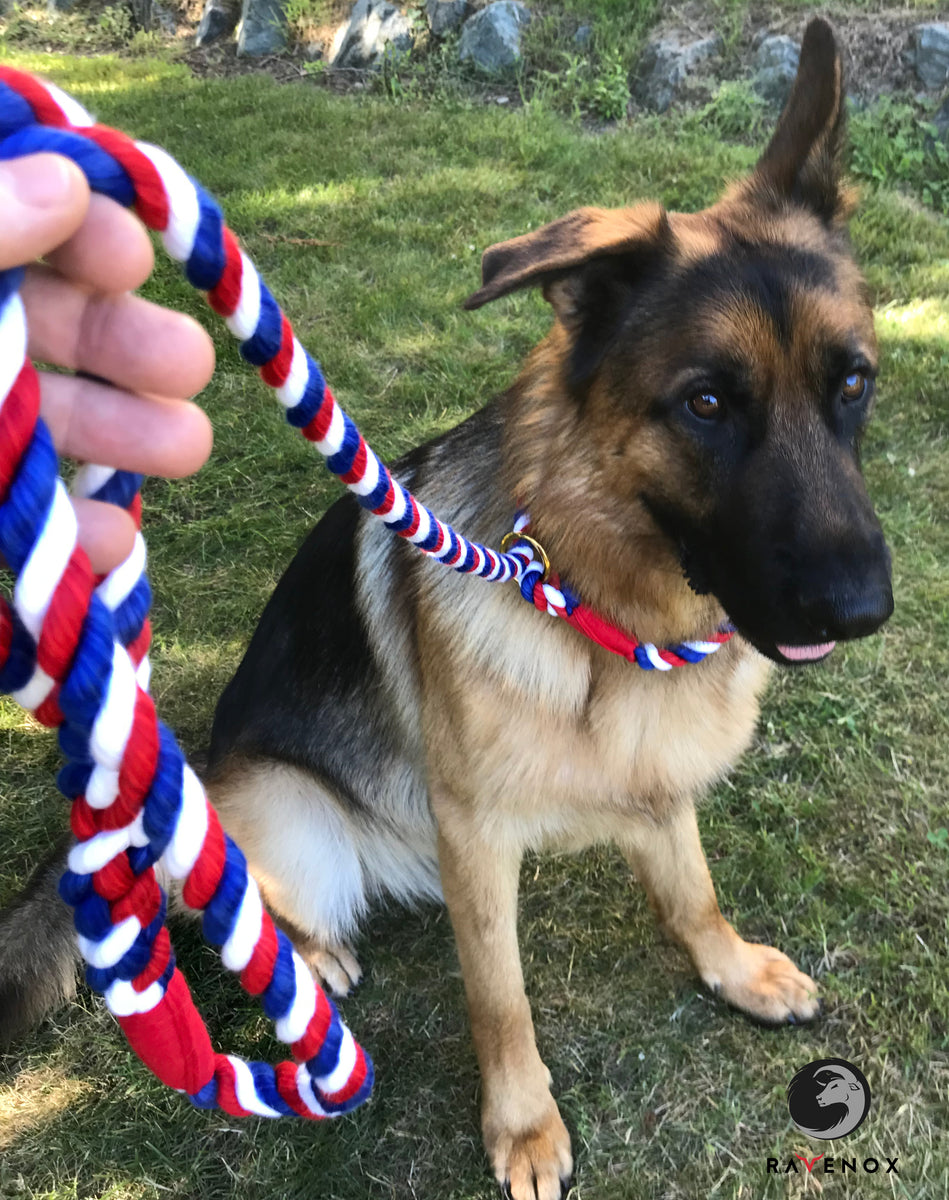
point(81, 316)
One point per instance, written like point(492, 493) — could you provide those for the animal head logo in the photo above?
point(828, 1098)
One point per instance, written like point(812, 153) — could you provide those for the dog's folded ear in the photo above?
point(590, 263)
point(802, 160)
point(563, 247)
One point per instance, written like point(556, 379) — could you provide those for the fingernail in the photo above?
point(40, 181)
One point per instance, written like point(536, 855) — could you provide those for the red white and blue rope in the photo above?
point(73, 650)
point(556, 598)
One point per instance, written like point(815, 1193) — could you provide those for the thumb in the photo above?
point(43, 201)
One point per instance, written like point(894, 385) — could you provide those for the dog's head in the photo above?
point(731, 356)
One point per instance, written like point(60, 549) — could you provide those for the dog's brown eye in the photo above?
point(706, 406)
point(855, 387)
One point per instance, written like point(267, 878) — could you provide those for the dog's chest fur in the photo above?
point(546, 730)
point(538, 730)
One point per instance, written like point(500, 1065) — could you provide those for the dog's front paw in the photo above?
point(335, 967)
point(764, 983)
point(533, 1163)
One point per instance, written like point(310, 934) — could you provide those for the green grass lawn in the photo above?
point(830, 840)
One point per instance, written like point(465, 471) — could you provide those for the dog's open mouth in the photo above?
point(806, 654)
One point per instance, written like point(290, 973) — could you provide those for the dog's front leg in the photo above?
point(525, 1138)
point(670, 863)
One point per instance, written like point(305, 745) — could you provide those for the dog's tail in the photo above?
point(39, 956)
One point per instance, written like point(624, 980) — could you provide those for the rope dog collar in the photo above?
point(74, 651)
point(548, 593)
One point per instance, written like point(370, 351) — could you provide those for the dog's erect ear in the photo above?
point(802, 161)
point(563, 247)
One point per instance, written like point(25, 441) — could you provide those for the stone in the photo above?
point(932, 55)
point(583, 36)
point(58, 6)
point(941, 121)
point(263, 28)
point(164, 20)
point(150, 15)
point(776, 62)
point(445, 15)
point(491, 39)
point(141, 13)
point(666, 62)
point(217, 21)
point(375, 29)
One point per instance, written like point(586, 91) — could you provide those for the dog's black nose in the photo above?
point(840, 604)
point(849, 614)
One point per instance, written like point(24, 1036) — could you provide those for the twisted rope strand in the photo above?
point(73, 649)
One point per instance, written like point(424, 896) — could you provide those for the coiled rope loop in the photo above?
point(74, 651)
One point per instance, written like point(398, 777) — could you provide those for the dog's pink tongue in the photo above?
point(807, 653)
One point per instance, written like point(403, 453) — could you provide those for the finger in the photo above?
point(101, 424)
point(106, 533)
point(110, 252)
point(44, 199)
point(138, 345)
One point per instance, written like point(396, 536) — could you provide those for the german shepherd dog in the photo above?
point(686, 440)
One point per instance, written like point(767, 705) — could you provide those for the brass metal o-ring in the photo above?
point(512, 538)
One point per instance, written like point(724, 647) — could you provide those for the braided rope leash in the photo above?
point(73, 650)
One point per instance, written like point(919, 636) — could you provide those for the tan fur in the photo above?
point(626, 568)
point(513, 766)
